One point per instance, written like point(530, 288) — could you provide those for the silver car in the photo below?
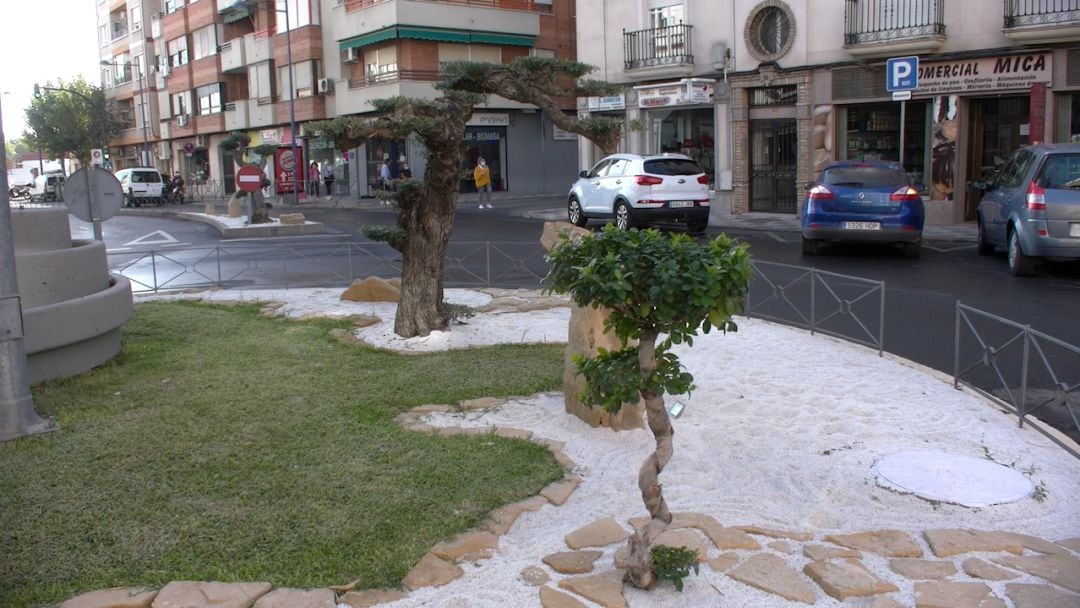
point(637, 190)
point(1032, 207)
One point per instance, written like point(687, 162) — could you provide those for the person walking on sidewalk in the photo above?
point(328, 177)
point(313, 179)
point(482, 177)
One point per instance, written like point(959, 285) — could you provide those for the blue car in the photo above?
point(863, 201)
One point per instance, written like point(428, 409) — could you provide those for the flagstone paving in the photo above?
point(947, 575)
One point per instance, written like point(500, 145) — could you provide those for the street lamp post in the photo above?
point(142, 107)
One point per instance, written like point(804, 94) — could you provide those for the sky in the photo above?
point(842, 441)
point(35, 48)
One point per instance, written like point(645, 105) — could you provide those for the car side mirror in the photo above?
point(583, 174)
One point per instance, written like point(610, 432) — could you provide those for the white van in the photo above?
point(48, 187)
point(140, 185)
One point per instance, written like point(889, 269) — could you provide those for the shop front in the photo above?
point(966, 117)
point(681, 119)
point(485, 137)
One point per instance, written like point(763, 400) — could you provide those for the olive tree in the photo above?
point(661, 290)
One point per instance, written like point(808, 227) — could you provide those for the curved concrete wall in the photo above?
point(72, 307)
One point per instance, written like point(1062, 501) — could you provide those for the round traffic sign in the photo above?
point(90, 188)
point(249, 178)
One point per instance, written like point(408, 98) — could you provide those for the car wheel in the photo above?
point(983, 246)
point(810, 246)
point(1019, 264)
point(574, 213)
point(912, 250)
point(697, 225)
point(623, 221)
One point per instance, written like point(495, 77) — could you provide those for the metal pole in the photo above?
point(145, 136)
point(903, 116)
point(17, 414)
point(292, 108)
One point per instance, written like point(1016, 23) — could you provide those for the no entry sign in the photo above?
point(249, 178)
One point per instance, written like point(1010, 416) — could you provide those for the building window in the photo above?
point(872, 132)
point(785, 95)
point(481, 53)
point(303, 75)
point(171, 6)
point(770, 30)
point(182, 103)
point(380, 63)
point(209, 99)
point(301, 13)
point(178, 52)
point(664, 16)
point(259, 82)
point(136, 19)
point(205, 41)
point(119, 24)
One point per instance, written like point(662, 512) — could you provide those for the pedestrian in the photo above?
point(482, 177)
point(328, 177)
point(313, 179)
point(384, 177)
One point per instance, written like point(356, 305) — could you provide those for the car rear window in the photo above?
point(145, 177)
point(1061, 172)
point(673, 166)
point(864, 177)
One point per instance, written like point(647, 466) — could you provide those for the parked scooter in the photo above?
point(19, 193)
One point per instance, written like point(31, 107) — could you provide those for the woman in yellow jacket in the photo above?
point(482, 177)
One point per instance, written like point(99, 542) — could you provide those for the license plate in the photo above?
point(1074, 229)
point(681, 204)
point(862, 225)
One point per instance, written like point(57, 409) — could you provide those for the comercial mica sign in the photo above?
point(985, 74)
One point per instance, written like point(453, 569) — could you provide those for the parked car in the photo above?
point(864, 201)
point(636, 190)
point(1031, 208)
point(140, 185)
point(48, 187)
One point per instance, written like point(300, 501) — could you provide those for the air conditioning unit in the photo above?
point(164, 151)
point(182, 120)
point(352, 55)
point(326, 86)
point(200, 141)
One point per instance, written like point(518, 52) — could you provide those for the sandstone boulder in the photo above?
point(372, 289)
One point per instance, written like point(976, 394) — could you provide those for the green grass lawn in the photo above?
point(223, 445)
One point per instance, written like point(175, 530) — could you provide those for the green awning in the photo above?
point(437, 34)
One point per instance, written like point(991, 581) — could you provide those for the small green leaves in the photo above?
point(673, 564)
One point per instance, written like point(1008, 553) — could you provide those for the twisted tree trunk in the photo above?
point(639, 572)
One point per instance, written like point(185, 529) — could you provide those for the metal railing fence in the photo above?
point(1025, 370)
point(667, 45)
point(1019, 13)
point(839, 305)
point(868, 21)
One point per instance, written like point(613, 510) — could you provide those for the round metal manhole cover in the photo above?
point(962, 480)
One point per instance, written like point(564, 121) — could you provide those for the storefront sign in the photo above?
point(561, 134)
point(687, 91)
point(606, 104)
point(484, 135)
point(481, 119)
point(270, 136)
point(284, 168)
point(986, 74)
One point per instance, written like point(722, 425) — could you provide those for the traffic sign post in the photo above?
point(249, 178)
point(901, 78)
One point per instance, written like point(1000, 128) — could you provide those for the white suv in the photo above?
point(637, 190)
point(140, 185)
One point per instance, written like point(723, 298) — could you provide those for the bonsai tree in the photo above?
point(661, 290)
point(235, 146)
point(542, 82)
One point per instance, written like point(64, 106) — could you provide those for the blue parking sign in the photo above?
point(902, 74)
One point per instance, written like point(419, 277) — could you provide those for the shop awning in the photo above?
point(435, 34)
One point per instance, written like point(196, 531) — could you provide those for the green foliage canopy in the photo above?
point(654, 284)
point(71, 118)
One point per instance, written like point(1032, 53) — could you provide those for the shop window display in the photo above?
point(490, 143)
point(873, 133)
point(392, 152)
point(688, 132)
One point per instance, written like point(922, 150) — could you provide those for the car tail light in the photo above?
point(905, 194)
point(1036, 197)
point(821, 193)
point(649, 180)
point(704, 179)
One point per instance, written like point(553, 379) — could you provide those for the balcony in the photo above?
point(232, 56)
point(490, 22)
point(1042, 21)
point(236, 115)
point(357, 98)
point(661, 51)
point(260, 112)
point(886, 28)
point(258, 47)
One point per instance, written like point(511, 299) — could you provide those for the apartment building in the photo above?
point(765, 92)
point(266, 68)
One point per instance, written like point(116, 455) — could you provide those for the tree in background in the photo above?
point(70, 119)
point(655, 285)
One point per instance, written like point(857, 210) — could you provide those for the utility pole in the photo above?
point(17, 414)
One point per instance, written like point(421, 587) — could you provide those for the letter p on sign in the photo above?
point(902, 74)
